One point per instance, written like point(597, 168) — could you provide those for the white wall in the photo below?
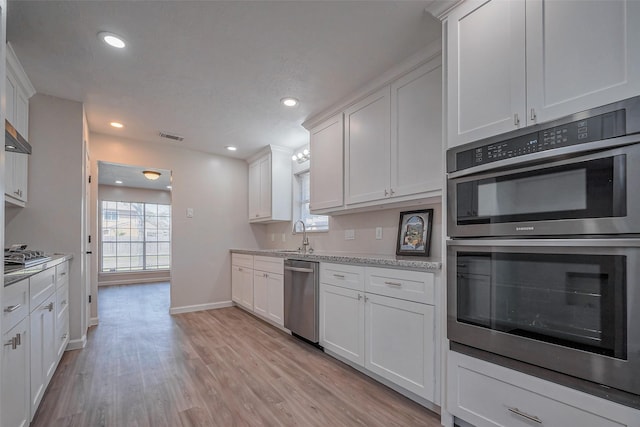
point(216, 188)
point(129, 194)
point(52, 219)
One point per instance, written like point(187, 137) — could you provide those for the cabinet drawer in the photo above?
point(345, 276)
point(15, 304)
point(242, 260)
point(509, 403)
point(41, 285)
point(415, 286)
point(268, 264)
point(62, 300)
point(62, 274)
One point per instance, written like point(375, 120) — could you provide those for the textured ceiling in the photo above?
point(213, 71)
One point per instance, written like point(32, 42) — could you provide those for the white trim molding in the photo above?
point(200, 307)
point(77, 344)
point(93, 321)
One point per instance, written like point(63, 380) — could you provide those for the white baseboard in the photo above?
point(134, 281)
point(200, 307)
point(93, 321)
point(77, 344)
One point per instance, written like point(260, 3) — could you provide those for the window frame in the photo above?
point(298, 202)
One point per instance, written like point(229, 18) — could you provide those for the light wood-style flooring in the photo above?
point(143, 367)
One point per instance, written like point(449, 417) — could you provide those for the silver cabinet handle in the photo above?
point(338, 276)
point(299, 270)
point(525, 415)
point(17, 192)
point(516, 120)
point(18, 339)
point(392, 192)
point(13, 342)
point(359, 297)
point(48, 307)
point(12, 308)
point(366, 298)
point(393, 283)
point(533, 115)
point(64, 273)
point(386, 193)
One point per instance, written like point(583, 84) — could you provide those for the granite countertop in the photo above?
point(15, 275)
point(340, 258)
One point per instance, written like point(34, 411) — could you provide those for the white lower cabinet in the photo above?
point(389, 336)
point(400, 343)
point(259, 289)
point(43, 348)
point(15, 376)
point(488, 395)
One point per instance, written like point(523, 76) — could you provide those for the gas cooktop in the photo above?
point(20, 256)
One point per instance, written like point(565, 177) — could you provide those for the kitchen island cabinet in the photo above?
point(542, 60)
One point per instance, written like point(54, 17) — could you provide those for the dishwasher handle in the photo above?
point(299, 270)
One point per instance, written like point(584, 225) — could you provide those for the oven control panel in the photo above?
point(596, 128)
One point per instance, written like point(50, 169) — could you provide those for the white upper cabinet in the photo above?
point(486, 69)
point(542, 59)
point(326, 163)
point(367, 142)
point(270, 185)
point(580, 55)
point(416, 137)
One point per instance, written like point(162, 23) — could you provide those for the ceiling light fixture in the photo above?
point(112, 40)
point(117, 125)
point(231, 148)
point(151, 175)
point(169, 187)
point(118, 182)
point(302, 156)
point(289, 102)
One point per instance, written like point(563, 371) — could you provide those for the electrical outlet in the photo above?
point(378, 233)
point(189, 212)
point(349, 234)
point(284, 237)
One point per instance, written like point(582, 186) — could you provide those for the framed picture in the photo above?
point(414, 233)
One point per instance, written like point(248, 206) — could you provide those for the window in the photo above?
point(311, 222)
point(135, 236)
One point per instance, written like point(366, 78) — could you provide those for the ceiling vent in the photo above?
point(171, 136)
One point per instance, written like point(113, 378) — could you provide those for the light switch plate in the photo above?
point(349, 234)
point(378, 233)
point(189, 212)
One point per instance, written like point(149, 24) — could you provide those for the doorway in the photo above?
point(133, 244)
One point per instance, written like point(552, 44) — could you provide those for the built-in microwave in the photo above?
point(565, 307)
point(574, 176)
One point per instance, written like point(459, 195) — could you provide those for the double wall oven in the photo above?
point(544, 255)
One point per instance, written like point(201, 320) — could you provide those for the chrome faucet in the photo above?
point(305, 240)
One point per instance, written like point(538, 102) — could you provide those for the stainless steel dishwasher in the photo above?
point(301, 298)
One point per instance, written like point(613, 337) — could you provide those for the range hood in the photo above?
point(13, 141)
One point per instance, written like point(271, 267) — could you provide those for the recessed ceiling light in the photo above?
point(118, 182)
point(169, 187)
point(289, 102)
point(112, 39)
point(231, 148)
point(117, 125)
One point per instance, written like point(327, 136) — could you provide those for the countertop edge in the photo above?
point(405, 264)
point(19, 275)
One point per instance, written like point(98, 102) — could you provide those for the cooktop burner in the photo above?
point(21, 256)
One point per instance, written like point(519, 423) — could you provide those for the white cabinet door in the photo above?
point(22, 114)
point(275, 298)
point(580, 55)
point(326, 164)
point(486, 69)
point(265, 187)
point(246, 280)
point(236, 284)
point(416, 137)
point(367, 148)
point(254, 190)
point(342, 322)
point(400, 343)
point(20, 176)
point(260, 300)
point(15, 377)
point(9, 174)
point(10, 89)
point(43, 349)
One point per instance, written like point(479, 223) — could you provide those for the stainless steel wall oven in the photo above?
point(544, 257)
